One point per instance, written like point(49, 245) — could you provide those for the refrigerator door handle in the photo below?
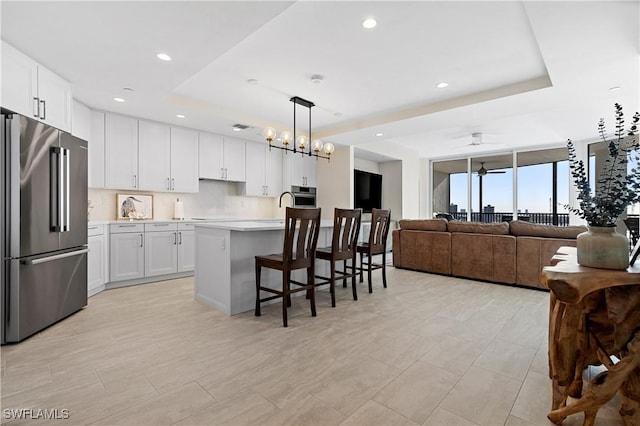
point(55, 198)
point(67, 195)
point(54, 257)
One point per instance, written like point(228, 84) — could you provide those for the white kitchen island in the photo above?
point(225, 261)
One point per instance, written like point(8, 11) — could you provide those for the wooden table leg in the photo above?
point(603, 387)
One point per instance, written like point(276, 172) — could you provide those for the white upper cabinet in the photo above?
point(210, 161)
point(264, 171)
point(121, 152)
point(33, 91)
point(234, 154)
point(154, 156)
point(273, 172)
point(222, 158)
point(184, 160)
point(300, 170)
point(81, 121)
point(147, 155)
point(95, 144)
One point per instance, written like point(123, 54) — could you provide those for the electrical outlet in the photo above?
point(104, 200)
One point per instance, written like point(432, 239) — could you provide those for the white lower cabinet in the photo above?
point(161, 249)
point(147, 250)
point(97, 259)
point(126, 254)
point(186, 247)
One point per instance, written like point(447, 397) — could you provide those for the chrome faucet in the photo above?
point(281, 195)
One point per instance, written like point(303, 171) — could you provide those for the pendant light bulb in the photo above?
point(317, 145)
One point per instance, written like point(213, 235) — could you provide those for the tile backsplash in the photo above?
point(215, 199)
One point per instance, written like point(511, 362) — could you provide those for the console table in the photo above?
point(593, 315)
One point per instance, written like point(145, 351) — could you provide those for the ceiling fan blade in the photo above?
point(502, 171)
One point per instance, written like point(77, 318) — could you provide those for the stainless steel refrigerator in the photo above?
point(44, 225)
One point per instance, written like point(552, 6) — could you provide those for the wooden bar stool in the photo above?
point(377, 244)
point(346, 228)
point(300, 241)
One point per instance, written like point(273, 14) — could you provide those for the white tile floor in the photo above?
point(428, 350)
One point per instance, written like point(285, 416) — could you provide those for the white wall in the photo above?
point(409, 184)
point(216, 199)
point(335, 181)
point(392, 180)
point(366, 165)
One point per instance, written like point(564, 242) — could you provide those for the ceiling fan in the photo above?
point(478, 141)
point(482, 171)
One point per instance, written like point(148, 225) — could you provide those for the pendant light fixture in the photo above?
point(300, 143)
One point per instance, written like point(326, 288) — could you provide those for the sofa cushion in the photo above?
point(479, 228)
point(484, 257)
point(439, 225)
point(525, 229)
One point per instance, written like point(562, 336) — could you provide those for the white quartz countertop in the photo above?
point(188, 220)
point(254, 225)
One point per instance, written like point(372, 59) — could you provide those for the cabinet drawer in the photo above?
point(157, 227)
point(189, 226)
point(95, 230)
point(119, 228)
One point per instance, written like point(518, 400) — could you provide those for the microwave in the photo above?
point(303, 196)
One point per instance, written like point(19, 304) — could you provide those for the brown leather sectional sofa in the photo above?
point(510, 253)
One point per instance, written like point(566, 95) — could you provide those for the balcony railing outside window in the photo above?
point(496, 217)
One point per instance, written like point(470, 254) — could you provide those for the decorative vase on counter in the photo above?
point(602, 247)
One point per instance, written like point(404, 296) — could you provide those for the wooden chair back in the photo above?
point(346, 229)
point(302, 227)
point(380, 221)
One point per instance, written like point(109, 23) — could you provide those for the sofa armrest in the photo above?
point(534, 253)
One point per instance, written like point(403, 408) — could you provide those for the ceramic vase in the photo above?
point(602, 247)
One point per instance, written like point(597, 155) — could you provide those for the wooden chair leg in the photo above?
point(361, 266)
point(311, 282)
point(384, 269)
point(288, 289)
point(332, 284)
point(353, 277)
point(369, 272)
point(286, 300)
point(258, 270)
point(344, 268)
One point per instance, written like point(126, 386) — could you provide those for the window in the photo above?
point(492, 188)
point(450, 188)
point(543, 186)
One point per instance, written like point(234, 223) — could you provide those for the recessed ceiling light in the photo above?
point(128, 89)
point(179, 115)
point(442, 85)
point(337, 114)
point(118, 99)
point(369, 23)
point(252, 81)
point(317, 79)
point(614, 88)
point(163, 57)
point(378, 134)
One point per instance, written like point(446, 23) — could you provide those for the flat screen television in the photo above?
point(367, 190)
